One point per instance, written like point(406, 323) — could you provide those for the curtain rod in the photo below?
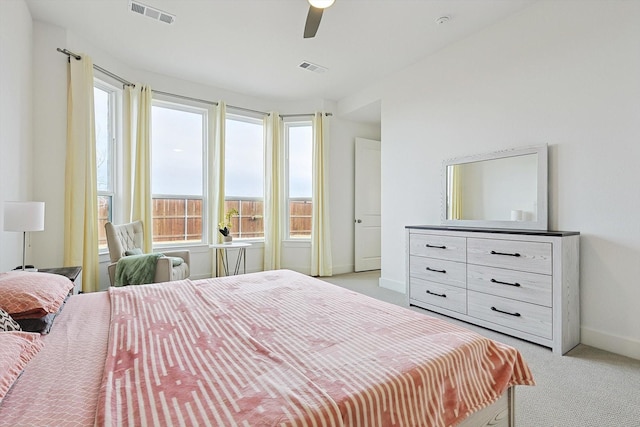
point(127, 83)
point(97, 67)
point(303, 115)
point(204, 101)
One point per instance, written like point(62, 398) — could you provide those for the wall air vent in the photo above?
point(306, 65)
point(151, 12)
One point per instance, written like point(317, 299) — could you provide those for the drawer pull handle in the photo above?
point(505, 253)
point(434, 246)
point(505, 312)
point(440, 295)
point(516, 284)
point(437, 271)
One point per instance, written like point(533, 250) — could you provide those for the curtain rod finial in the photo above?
point(69, 53)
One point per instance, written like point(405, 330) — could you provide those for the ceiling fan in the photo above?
point(316, 7)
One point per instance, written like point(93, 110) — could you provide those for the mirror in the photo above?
point(504, 189)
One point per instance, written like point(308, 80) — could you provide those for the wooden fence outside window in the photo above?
point(180, 219)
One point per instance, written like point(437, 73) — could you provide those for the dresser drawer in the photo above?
point(439, 295)
point(534, 257)
point(518, 285)
point(530, 318)
point(438, 270)
point(441, 247)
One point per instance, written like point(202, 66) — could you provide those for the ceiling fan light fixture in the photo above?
point(321, 4)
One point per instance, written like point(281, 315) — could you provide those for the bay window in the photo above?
point(179, 146)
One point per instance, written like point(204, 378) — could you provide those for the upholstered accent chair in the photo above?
point(128, 237)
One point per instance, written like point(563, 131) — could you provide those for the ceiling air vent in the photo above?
point(313, 67)
point(151, 12)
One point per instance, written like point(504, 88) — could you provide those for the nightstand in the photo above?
point(70, 273)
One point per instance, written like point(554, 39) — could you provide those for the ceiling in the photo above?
point(254, 47)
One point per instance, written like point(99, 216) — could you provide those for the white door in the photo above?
point(367, 205)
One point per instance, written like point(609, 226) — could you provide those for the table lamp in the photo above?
point(23, 216)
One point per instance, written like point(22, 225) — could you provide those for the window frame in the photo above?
point(206, 112)
point(287, 199)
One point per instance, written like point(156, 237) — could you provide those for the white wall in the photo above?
point(341, 188)
point(50, 135)
point(562, 73)
point(49, 124)
point(15, 122)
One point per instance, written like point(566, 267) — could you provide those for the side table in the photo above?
point(221, 252)
point(70, 273)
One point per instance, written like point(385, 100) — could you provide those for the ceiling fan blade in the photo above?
point(313, 22)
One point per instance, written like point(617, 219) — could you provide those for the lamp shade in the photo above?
point(23, 216)
point(321, 4)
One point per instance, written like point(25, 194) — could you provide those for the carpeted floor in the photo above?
point(586, 387)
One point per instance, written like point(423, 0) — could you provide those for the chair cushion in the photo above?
point(176, 261)
point(180, 272)
point(134, 251)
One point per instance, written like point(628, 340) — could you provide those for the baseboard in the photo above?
point(342, 269)
point(393, 285)
point(613, 343)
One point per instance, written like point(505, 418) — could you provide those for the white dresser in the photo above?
point(524, 283)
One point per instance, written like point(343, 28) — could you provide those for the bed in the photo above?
point(262, 349)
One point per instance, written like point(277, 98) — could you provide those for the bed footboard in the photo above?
point(498, 414)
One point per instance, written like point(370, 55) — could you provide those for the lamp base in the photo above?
point(26, 268)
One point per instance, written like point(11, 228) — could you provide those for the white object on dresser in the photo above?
point(523, 283)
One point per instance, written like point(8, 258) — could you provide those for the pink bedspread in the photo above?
point(280, 348)
point(60, 386)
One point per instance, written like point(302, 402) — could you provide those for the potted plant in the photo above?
point(225, 226)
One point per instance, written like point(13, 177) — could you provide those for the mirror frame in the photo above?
point(541, 222)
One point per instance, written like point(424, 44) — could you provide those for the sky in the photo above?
point(177, 153)
point(177, 147)
point(101, 111)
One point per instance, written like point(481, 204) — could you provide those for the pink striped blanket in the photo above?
point(281, 348)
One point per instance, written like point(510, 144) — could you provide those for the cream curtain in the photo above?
point(321, 263)
point(216, 171)
point(141, 209)
point(455, 196)
point(81, 188)
point(129, 129)
point(273, 191)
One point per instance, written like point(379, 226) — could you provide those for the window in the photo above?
point(178, 143)
point(299, 142)
point(104, 98)
point(244, 175)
